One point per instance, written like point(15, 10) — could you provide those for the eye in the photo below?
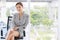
point(19, 7)
point(16, 7)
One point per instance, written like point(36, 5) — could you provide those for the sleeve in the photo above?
point(26, 21)
point(13, 21)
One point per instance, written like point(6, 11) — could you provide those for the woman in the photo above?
point(20, 21)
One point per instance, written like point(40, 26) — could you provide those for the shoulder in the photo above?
point(26, 15)
point(14, 15)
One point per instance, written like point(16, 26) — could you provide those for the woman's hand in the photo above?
point(15, 28)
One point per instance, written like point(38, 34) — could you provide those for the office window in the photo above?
point(16, 0)
point(8, 9)
point(42, 0)
point(43, 19)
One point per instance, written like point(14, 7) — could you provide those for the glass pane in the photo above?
point(43, 21)
point(16, 0)
point(42, 0)
point(8, 9)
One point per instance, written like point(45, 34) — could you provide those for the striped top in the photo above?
point(20, 22)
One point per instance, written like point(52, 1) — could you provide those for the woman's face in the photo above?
point(19, 8)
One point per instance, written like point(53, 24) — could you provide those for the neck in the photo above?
point(20, 14)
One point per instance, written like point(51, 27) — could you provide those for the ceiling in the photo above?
point(42, 0)
point(31, 0)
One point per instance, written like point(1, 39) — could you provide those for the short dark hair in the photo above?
point(19, 4)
